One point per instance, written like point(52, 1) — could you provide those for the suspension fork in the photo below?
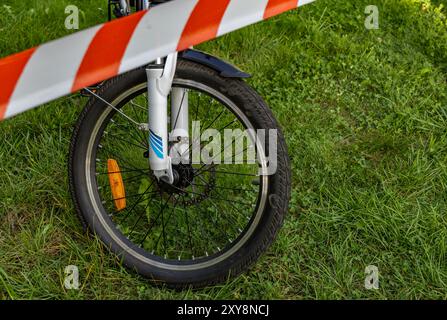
point(166, 149)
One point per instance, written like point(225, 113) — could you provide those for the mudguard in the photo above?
point(225, 69)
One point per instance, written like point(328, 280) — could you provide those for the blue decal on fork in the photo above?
point(156, 144)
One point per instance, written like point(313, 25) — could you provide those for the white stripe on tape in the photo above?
point(157, 33)
point(303, 2)
point(242, 13)
point(50, 72)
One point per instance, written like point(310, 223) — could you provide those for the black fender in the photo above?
point(225, 69)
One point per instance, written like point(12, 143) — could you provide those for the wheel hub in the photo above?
point(183, 178)
point(185, 175)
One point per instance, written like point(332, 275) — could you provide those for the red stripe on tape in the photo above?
point(275, 7)
point(11, 68)
point(204, 22)
point(103, 57)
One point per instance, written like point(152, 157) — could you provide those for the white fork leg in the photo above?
point(160, 76)
point(179, 135)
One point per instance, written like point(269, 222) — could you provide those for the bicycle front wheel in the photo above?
point(217, 218)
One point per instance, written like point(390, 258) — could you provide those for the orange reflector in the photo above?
point(116, 184)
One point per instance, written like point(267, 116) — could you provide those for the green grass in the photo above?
point(364, 113)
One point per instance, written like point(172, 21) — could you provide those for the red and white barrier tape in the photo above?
point(52, 70)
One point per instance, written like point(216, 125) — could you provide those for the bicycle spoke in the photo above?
point(135, 204)
point(113, 155)
point(219, 187)
point(133, 178)
point(131, 196)
point(156, 219)
point(233, 173)
point(164, 225)
point(139, 138)
point(188, 229)
point(223, 151)
point(121, 171)
point(141, 146)
point(141, 215)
